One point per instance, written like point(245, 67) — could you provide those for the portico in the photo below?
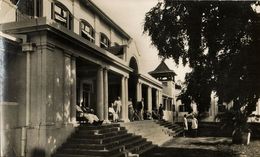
point(99, 86)
point(149, 89)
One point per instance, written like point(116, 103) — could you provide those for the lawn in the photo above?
point(205, 147)
point(251, 150)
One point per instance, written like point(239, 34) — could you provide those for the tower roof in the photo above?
point(162, 69)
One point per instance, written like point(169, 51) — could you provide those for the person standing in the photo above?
point(140, 109)
point(194, 108)
point(117, 106)
point(185, 125)
point(161, 112)
point(130, 110)
point(194, 126)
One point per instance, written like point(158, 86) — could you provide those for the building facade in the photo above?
point(58, 54)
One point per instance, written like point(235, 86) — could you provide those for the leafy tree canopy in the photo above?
point(220, 42)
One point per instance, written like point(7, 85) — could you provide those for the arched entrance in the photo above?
point(132, 82)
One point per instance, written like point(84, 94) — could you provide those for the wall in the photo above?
point(7, 11)
point(51, 98)
point(80, 12)
point(169, 88)
point(13, 98)
point(168, 116)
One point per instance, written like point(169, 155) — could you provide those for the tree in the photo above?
point(219, 41)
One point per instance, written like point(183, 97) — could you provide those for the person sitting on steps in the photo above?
point(89, 115)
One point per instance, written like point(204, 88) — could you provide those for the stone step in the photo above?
point(76, 151)
point(121, 154)
point(98, 131)
point(134, 143)
point(101, 146)
point(150, 147)
point(177, 129)
point(165, 124)
point(98, 141)
point(99, 127)
point(140, 147)
point(150, 130)
point(173, 127)
point(99, 136)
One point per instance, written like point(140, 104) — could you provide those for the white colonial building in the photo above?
point(56, 54)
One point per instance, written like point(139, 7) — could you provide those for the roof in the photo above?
point(162, 68)
point(117, 49)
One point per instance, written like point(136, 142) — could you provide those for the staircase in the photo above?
point(105, 140)
point(150, 130)
point(177, 129)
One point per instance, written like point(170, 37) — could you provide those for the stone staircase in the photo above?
point(177, 130)
point(105, 140)
point(150, 130)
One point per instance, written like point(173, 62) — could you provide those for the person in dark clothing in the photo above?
point(140, 108)
point(161, 111)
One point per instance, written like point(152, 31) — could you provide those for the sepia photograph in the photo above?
point(129, 78)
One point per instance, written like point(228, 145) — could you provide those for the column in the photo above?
point(139, 91)
point(67, 89)
point(122, 116)
point(126, 100)
point(160, 98)
point(149, 96)
point(100, 92)
point(105, 82)
point(258, 107)
point(157, 99)
point(29, 50)
point(73, 90)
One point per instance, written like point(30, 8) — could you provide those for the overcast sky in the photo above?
point(129, 15)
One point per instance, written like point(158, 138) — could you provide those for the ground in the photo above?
point(205, 147)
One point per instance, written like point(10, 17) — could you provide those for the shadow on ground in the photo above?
point(210, 144)
point(183, 152)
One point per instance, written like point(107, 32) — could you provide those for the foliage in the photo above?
point(219, 40)
point(234, 118)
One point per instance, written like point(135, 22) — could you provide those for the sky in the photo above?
point(129, 15)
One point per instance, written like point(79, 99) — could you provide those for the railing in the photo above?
point(22, 17)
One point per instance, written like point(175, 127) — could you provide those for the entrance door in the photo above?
point(86, 92)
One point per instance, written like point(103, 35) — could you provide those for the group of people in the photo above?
point(140, 113)
point(134, 113)
point(115, 109)
point(87, 115)
point(194, 126)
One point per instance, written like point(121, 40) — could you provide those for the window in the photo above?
point(28, 9)
point(181, 108)
point(87, 31)
point(165, 83)
point(104, 41)
point(62, 15)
